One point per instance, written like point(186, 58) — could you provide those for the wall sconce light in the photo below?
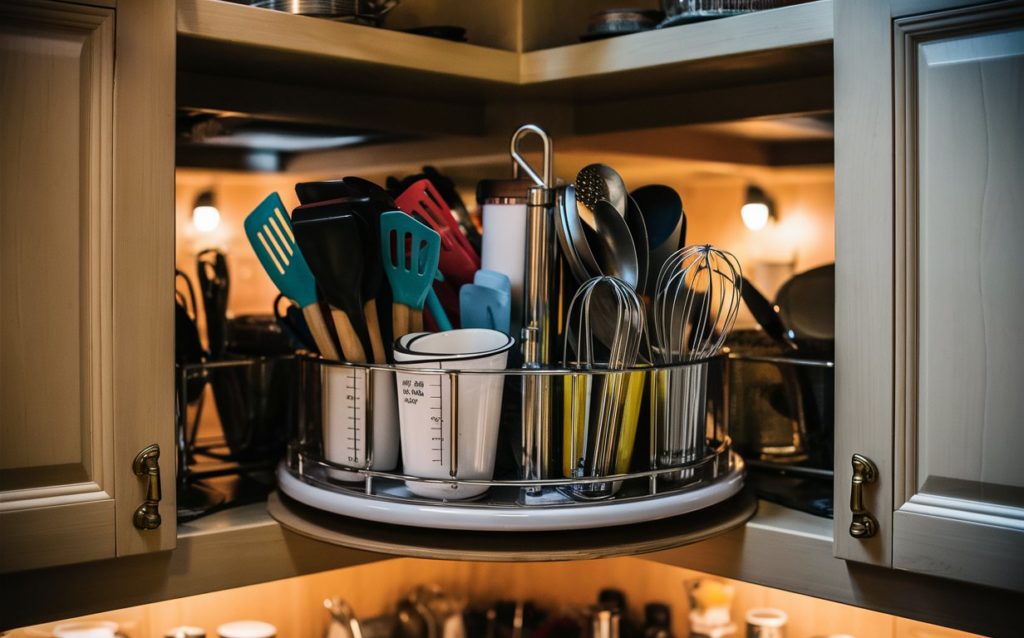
point(205, 216)
point(758, 209)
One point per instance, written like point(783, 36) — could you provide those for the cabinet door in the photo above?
point(86, 232)
point(946, 229)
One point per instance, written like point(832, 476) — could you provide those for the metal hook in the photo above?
point(547, 181)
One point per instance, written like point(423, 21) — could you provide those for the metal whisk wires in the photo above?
point(696, 301)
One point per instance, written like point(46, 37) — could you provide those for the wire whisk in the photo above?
point(696, 300)
point(606, 328)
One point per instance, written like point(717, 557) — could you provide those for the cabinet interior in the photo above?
point(295, 606)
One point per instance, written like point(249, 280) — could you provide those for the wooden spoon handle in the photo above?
point(415, 320)
point(373, 325)
point(321, 335)
point(399, 320)
point(351, 346)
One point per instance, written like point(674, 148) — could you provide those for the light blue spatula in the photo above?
point(270, 232)
point(487, 302)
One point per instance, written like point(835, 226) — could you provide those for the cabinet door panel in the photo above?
point(56, 428)
point(960, 487)
point(86, 274)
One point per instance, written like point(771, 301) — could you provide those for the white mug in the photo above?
point(424, 408)
point(247, 629)
point(344, 419)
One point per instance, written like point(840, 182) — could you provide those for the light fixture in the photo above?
point(758, 209)
point(205, 216)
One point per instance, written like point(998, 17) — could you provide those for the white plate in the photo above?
point(480, 517)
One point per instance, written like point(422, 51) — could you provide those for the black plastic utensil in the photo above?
point(214, 286)
point(376, 296)
point(332, 189)
point(333, 247)
point(662, 209)
point(765, 314)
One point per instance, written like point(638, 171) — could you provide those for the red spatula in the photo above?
point(459, 262)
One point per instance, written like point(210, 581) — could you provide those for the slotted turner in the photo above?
point(458, 261)
point(410, 252)
point(270, 232)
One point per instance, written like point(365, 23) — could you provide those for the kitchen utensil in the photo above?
point(538, 323)
point(457, 260)
point(270, 232)
point(679, 12)
point(594, 426)
point(596, 182)
point(483, 307)
point(445, 186)
point(807, 305)
point(638, 233)
point(425, 410)
point(487, 302)
point(333, 246)
point(696, 301)
point(766, 315)
point(613, 245)
point(435, 307)
point(247, 629)
point(665, 222)
point(188, 349)
point(345, 188)
point(571, 237)
point(410, 252)
point(366, 212)
point(293, 324)
point(343, 622)
point(214, 285)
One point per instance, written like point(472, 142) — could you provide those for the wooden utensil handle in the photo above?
point(321, 335)
point(415, 320)
point(399, 320)
point(373, 325)
point(351, 346)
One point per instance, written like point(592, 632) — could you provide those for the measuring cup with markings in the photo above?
point(345, 395)
point(425, 408)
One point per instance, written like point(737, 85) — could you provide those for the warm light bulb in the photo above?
point(205, 218)
point(755, 215)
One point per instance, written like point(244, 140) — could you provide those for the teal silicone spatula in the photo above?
point(270, 232)
point(410, 252)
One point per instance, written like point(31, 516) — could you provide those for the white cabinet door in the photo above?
point(930, 282)
point(86, 268)
point(959, 486)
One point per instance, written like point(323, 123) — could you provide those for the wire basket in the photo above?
point(461, 437)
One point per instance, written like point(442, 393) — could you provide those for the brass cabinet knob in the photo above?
point(863, 525)
point(147, 466)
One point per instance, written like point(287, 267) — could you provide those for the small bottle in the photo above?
point(658, 621)
point(765, 622)
point(615, 600)
point(710, 608)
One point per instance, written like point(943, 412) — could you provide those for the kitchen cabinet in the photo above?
point(929, 150)
point(595, 96)
point(86, 358)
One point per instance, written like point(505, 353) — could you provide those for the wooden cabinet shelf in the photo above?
point(235, 58)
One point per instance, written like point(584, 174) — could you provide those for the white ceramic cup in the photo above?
point(247, 629)
point(344, 419)
point(86, 629)
point(424, 408)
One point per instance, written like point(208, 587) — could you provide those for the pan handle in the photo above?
point(519, 161)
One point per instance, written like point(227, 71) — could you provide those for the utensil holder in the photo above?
point(636, 441)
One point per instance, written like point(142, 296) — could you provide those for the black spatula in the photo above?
point(332, 243)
